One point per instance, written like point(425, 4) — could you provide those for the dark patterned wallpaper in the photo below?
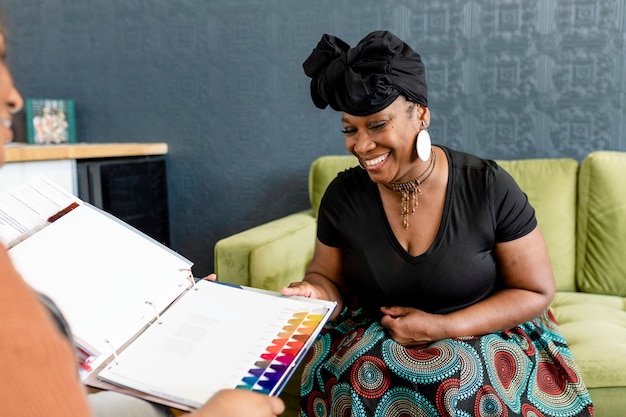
point(221, 82)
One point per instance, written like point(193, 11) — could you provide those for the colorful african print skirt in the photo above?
point(356, 369)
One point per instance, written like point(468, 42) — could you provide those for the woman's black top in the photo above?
point(483, 206)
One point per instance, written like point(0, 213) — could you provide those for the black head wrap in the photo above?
point(367, 78)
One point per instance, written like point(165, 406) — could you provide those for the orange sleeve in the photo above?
point(37, 363)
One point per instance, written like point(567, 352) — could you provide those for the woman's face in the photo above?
point(10, 101)
point(384, 142)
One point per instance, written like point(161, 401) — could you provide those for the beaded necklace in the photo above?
point(410, 190)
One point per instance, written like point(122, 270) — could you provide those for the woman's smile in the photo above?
point(375, 163)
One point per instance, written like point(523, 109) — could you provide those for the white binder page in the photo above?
point(108, 280)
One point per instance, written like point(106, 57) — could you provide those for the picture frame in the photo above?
point(50, 121)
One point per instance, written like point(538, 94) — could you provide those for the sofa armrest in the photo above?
point(268, 256)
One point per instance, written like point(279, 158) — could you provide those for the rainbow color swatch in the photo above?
point(276, 362)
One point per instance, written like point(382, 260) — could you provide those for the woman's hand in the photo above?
point(211, 277)
point(322, 280)
point(303, 289)
point(240, 403)
point(409, 326)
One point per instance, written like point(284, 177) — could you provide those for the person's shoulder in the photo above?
point(354, 175)
point(351, 180)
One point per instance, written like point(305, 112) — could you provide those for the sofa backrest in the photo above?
point(323, 170)
point(550, 184)
point(601, 252)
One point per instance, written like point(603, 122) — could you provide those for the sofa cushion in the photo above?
point(601, 252)
point(594, 326)
point(550, 185)
point(323, 170)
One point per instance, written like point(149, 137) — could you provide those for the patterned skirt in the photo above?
point(356, 369)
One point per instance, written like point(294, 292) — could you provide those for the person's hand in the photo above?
point(211, 277)
point(240, 403)
point(303, 289)
point(409, 326)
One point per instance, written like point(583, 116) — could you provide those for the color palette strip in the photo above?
point(278, 357)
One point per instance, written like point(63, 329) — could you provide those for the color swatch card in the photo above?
point(219, 336)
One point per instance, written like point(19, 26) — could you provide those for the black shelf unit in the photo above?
point(133, 189)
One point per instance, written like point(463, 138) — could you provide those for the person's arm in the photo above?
point(529, 287)
point(322, 279)
point(240, 403)
point(38, 365)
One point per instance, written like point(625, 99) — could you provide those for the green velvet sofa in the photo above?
point(581, 209)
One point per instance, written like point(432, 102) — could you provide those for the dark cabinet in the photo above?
point(133, 189)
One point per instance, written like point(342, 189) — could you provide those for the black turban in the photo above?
point(367, 78)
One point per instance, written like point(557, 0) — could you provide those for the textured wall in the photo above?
point(221, 82)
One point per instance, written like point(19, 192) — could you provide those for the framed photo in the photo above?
point(50, 121)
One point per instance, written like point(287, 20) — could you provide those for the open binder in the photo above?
point(141, 323)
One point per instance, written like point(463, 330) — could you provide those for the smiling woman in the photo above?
point(436, 257)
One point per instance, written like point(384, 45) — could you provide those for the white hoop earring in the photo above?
point(422, 144)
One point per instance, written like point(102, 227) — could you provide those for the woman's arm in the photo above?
point(529, 287)
point(323, 278)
